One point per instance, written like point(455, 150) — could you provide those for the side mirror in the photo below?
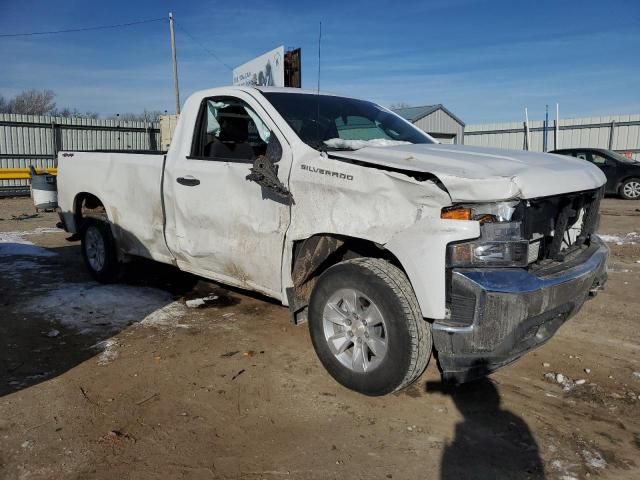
point(265, 174)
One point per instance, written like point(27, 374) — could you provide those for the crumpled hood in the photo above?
point(487, 174)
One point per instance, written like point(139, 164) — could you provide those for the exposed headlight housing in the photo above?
point(500, 244)
point(481, 212)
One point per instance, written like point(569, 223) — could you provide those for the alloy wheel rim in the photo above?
point(355, 330)
point(95, 249)
point(632, 189)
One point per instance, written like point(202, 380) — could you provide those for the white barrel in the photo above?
point(45, 198)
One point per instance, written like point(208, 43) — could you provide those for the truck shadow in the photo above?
point(490, 442)
point(53, 316)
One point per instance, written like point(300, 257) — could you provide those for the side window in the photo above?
point(598, 159)
point(228, 129)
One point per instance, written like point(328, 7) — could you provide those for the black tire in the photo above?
point(110, 269)
point(407, 333)
point(628, 186)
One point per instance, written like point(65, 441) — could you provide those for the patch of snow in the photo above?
point(564, 469)
point(13, 243)
point(9, 249)
point(92, 307)
point(358, 144)
point(35, 231)
point(563, 380)
point(593, 459)
point(14, 268)
point(199, 302)
point(636, 374)
point(630, 238)
point(108, 353)
point(167, 316)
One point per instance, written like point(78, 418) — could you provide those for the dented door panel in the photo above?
point(227, 227)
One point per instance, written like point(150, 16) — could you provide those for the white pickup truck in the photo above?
point(391, 245)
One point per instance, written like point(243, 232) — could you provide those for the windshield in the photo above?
point(326, 122)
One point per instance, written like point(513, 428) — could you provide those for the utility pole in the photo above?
point(176, 88)
point(556, 137)
point(545, 129)
point(527, 135)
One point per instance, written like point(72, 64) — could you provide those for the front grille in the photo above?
point(562, 224)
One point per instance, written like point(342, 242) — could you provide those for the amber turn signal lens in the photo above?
point(456, 213)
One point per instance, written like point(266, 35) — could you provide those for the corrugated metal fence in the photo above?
point(27, 140)
point(615, 132)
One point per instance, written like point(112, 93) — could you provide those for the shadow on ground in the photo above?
point(53, 316)
point(490, 442)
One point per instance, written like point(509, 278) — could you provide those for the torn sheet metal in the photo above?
point(341, 198)
point(345, 199)
point(487, 174)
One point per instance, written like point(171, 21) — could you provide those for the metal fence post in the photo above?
point(612, 134)
point(56, 140)
point(153, 144)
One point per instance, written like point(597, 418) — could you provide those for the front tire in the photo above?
point(630, 189)
point(366, 327)
point(99, 251)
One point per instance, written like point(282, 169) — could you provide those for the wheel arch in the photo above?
point(88, 205)
point(312, 256)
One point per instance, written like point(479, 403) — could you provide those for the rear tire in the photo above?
point(630, 189)
point(366, 326)
point(99, 251)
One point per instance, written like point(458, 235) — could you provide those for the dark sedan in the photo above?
point(623, 174)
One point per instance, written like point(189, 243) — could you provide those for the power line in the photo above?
point(202, 46)
point(84, 29)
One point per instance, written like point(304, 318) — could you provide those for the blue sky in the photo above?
point(484, 60)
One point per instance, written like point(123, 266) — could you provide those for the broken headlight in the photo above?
point(500, 243)
point(481, 212)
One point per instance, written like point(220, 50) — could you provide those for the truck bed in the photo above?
point(130, 187)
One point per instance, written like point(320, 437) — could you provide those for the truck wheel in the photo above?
point(366, 326)
point(630, 189)
point(99, 251)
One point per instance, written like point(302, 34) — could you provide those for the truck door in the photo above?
point(219, 224)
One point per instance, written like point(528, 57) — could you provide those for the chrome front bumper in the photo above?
point(497, 315)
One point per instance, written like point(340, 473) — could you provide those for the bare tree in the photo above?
point(145, 116)
point(68, 112)
point(33, 102)
point(36, 102)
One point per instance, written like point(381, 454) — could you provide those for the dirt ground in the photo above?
point(128, 381)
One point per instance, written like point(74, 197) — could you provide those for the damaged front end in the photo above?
point(509, 291)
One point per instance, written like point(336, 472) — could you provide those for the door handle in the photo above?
point(188, 180)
